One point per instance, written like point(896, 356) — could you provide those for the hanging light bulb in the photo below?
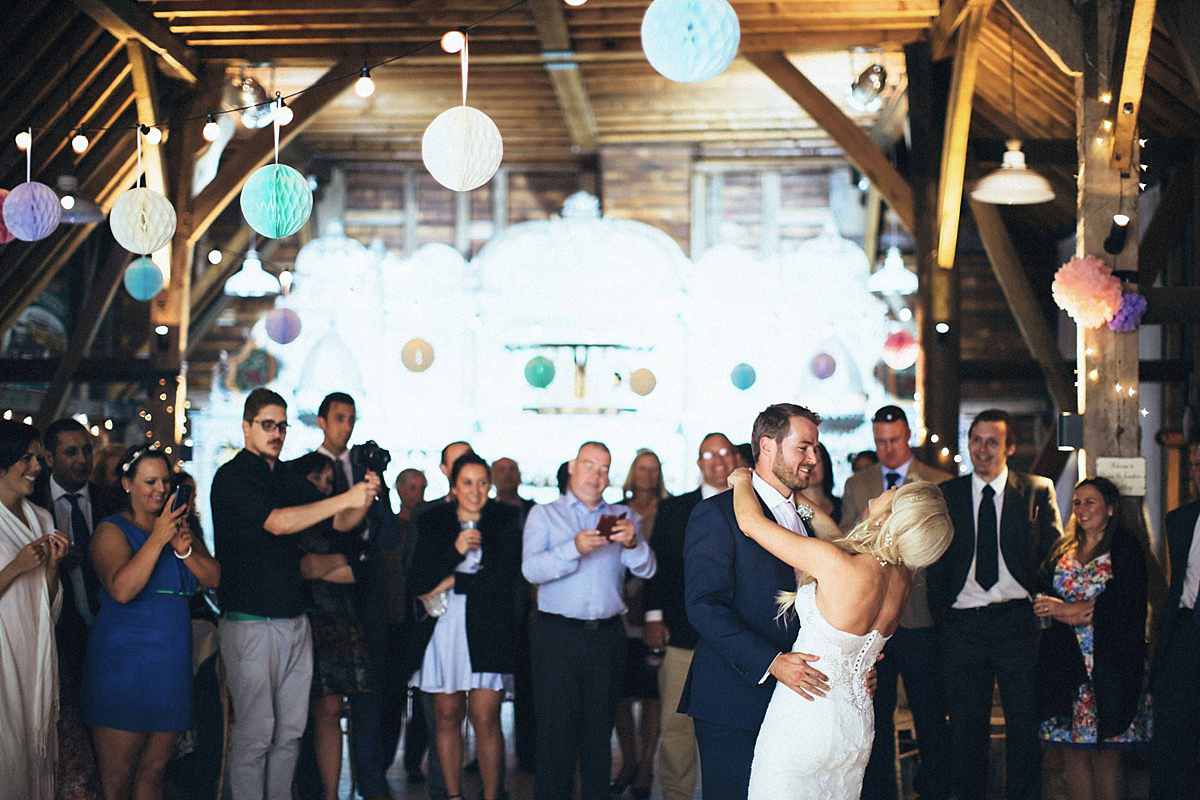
point(364, 87)
point(252, 280)
point(867, 88)
point(575, 2)
point(452, 41)
point(79, 143)
point(1118, 233)
point(214, 256)
point(282, 112)
point(78, 209)
point(893, 277)
point(153, 135)
point(1013, 183)
point(23, 140)
point(211, 129)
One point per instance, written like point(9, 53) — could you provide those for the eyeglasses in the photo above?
point(708, 455)
point(270, 425)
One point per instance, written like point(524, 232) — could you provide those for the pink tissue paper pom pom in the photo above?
point(1087, 290)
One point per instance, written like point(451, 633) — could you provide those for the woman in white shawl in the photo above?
point(30, 550)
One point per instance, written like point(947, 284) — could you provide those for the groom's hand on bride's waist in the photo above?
point(794, 672)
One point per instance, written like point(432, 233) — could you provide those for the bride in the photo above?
point(848, 603)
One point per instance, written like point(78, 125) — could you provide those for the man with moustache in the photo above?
point(980, 593)
point(266, 644)
point(667, 628)
point(730, 584)
point(578, 641)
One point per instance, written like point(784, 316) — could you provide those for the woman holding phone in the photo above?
point(469, 548)
point(137, 683)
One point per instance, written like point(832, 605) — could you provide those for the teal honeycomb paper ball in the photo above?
point(743, 376)
point(690, 40)
point(276, 201)
point(539, 372)
point(143, 279)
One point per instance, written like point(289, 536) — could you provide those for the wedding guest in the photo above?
point(30, 599)
point(820, 486)
point(464, 570)
point(1092, 659)
point(638, 738)
point(340, 660)
point(137, 681)
point(862, 460)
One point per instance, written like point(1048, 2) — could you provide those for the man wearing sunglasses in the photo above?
point(266, 644)
point(667, 628)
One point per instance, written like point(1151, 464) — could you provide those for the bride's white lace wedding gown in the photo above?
point(818, 749)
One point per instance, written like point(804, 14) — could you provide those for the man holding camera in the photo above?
point(576, 551)
point(378, 531)
point(266, 643)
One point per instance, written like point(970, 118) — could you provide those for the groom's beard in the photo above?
point(793, 478)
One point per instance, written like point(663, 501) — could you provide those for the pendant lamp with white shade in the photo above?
point(252, 280)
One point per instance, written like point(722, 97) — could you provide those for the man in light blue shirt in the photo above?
point(576, 551)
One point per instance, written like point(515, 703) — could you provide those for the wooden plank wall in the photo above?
point(649, 184)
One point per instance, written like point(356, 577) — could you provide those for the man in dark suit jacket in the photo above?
point(667, 628)
point(1174, 688)
point(730, 584)
point(78, 507)
point(980, 593)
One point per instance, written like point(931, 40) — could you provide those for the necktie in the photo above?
point(893, 479)
point(340, 484)
point(987, 565)
point(85, 594)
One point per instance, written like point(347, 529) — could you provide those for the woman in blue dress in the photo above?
point(137, 685)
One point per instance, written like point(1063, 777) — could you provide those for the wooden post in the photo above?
point(1107, 362)
point(937, 298)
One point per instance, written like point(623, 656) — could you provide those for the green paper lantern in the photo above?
point(276, 201)
point(539, 372)
point(143, 279)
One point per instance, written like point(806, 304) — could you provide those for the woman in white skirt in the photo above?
point(466, 564)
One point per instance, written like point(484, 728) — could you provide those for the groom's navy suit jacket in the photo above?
point(730, 583)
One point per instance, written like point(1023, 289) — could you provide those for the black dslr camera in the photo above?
point(370, 457)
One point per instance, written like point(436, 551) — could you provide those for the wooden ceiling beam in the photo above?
point(957, 130)
point(1056, 27)
point(941, 33)
point(23, 58)
point(1031, 320)
point(127, 19)
point(856, 143)
point(565, 78)
point(1132, 77)
point(255, 151)
point(145, 94)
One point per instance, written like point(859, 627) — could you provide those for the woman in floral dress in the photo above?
point(1092, 662)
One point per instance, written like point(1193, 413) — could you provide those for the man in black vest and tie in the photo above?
point(980, 593)
point(1174, 688)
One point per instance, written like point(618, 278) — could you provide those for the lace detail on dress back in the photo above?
point(819, 749)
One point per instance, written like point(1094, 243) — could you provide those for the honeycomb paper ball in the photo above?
point(417, 355)
point(822, 366)
point(142, 220)
point(276, 201)
point(743, 376)
point(462, 148)
point(539, 372)
point(283, 325)
point(31, 211)
point(5, 233)
point(690, 40)
point(642, 381)
point(143, 279)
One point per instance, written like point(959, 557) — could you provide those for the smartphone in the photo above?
point(607, 521)
point(181, 497)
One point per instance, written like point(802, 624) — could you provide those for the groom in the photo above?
point(730, 584)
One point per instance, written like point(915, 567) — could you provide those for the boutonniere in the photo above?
point(804, 512)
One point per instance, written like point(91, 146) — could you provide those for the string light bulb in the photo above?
point(153, 135)
point(214, 256)
point(79, 143)
point(452, 41)
point(211, 129)
point(283, 113)
point(575, 2)
point(24, 140)
point(364, 87)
